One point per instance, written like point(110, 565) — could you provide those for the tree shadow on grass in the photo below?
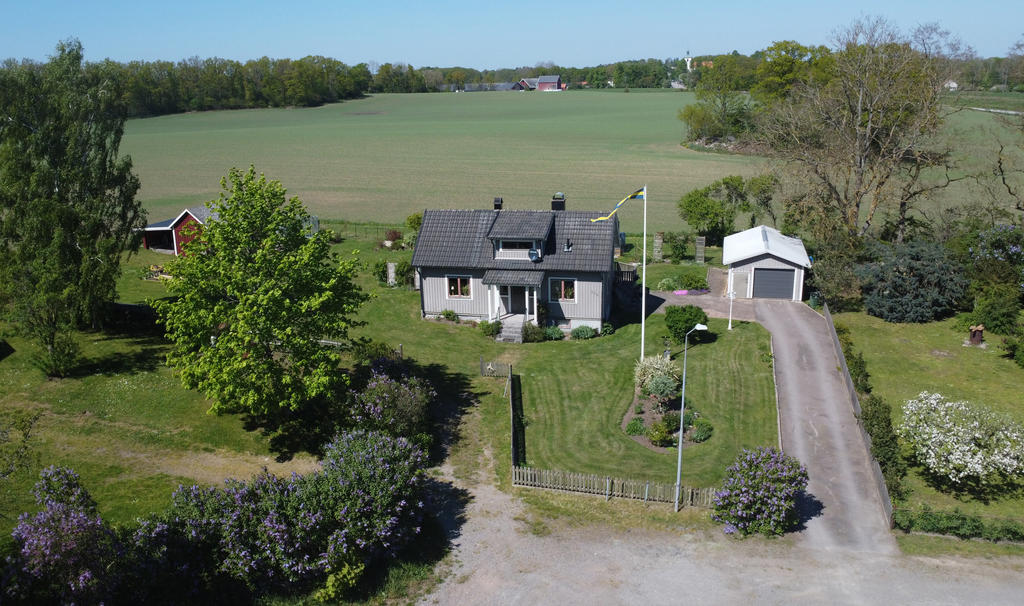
point(808, 507)
point(311, 427)
point(146, 355)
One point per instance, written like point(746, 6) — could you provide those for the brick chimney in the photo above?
point(558, 201)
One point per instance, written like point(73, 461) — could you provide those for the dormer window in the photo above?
point(516, 249)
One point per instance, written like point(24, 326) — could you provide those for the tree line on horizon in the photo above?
point(152, 88)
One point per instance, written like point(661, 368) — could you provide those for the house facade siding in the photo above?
point(435, 299)
point(742, 275)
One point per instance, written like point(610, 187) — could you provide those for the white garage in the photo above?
point(765, 264)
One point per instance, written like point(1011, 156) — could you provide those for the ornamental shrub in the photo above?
point(404, 273)
point(380, 271)
point(554, 333)
point(582, 333)
point(671, 419)
point(490, 329)
point(607, 329)
point(668, 284)
point(660, 434)
point(66, 549)
point(961, 442)
point(398, 407)
point(393, 234)
point(997, 307)
point(450, 315)
point(635, 427)
point(663, 386)
point(702, 430)
point(650, 367)
point(759, 493)
point(681, 320)
point(876, 416)
point(532, 333)
point(1003, 245)
point(914, 282)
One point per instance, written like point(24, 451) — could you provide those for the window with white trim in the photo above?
point(459, 287)
point(562, 290)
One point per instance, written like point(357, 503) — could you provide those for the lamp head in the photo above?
point(700, 327)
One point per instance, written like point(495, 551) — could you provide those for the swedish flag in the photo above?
point(637, 194)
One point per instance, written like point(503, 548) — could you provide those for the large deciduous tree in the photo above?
point(712, 210)
point(255, 295)
point(864, 138)
point(721, 109)
point(67, 200)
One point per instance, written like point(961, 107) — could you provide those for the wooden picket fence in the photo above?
point(609, 487)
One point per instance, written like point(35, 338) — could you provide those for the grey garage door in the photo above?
point(774, 283)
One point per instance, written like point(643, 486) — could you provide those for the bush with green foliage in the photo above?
point(957, 523)
point(450, 315)
point(759, 493)
point(876, 416)
point(702, 430)
point(671, 419)
point(554, 333)
point(398, 407)
point(660, 434)
point(635, 427)
point(963, 443)
point(997, 307)
point(914, 282)
point(650, 367)
point(533, 333)
point(380, 271)
point(858, 368)
point(490, 329)
point(607, 329)
point(582, 333)
point(662, 386)
point(681, 320)
point(675, 245)
point(413, 222)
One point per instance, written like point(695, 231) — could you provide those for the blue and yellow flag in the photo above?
point(637, 194)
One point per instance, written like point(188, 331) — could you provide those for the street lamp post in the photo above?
point(682, 412)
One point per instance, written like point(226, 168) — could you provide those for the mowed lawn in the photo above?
point(387, 156)
point(906, 359)
point(576, 393)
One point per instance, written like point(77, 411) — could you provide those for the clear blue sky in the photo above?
point(478, 34)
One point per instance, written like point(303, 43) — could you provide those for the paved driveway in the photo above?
point(818, 427)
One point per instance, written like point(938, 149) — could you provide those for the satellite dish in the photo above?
point(534, 255)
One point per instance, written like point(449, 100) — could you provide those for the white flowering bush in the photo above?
point(654, 366)
point(966, 443)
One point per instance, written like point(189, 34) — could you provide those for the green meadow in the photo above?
point(387, 156)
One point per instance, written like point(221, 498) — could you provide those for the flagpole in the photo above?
point(643, 285)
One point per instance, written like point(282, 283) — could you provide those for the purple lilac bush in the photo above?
point(266, 534)
point(759, 493)
point(65, 549)
point(398, 407)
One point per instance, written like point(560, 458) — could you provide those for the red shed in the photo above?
point(170, 235)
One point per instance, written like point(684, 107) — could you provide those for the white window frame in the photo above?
point(447, 288)
point(575, 290)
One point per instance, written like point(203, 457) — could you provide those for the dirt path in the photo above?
point(497, 561)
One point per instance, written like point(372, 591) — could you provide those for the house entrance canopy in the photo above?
point(512, 277)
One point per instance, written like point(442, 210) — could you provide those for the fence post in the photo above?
point(607, 488)
point(647, 490)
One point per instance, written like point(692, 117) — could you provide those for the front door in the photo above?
point(512, 299)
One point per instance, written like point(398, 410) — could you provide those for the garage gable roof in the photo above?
point(762, 240)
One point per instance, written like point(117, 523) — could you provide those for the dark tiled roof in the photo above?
point(458, 239)
point(549, 79)
point(513, 277)
point(165, 224)
point(521, 225)
point(201, 213)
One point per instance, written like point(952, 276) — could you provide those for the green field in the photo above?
point(386, 156)
point(906, 359)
